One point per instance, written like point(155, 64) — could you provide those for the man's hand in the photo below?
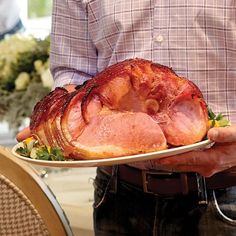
point(220, 157)
point(70, 87)
point(23, 134)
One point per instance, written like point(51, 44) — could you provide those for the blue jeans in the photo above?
point(129, 211)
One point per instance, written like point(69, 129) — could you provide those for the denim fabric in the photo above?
point(129, 211)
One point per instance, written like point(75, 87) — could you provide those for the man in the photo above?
point(196, 39)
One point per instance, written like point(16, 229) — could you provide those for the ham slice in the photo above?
point(120, 133)
point(134, 106)
point(41, 115)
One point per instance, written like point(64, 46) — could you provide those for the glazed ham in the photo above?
point(132, 107)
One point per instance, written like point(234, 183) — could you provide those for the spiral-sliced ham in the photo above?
point(42, 113)
point(134, 106)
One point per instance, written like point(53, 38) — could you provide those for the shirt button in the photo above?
point(159, 38)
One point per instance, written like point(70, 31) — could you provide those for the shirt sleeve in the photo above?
point(73, 56)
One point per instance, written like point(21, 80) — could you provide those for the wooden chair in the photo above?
point(27, 205)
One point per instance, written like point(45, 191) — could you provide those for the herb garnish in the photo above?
point(50, 154)
point(24, 151)
point(217, 120)
point(32, 149)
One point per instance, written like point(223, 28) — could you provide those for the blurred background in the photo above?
point(24, 62)
point(36, 16)
point(24, 79)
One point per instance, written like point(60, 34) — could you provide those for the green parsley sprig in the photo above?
point(50, 154)
point(32, 149)
point(217, 120)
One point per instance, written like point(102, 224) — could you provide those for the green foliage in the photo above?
point(55, 154)
point(18, 105)
point(23, 151)
point(39, 8)
point(22, 84)
point(40, 152)
point(217, 120)
point(23, 61)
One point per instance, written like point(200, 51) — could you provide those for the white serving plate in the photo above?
point(116, 160)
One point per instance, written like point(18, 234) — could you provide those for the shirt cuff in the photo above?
point(69, 77)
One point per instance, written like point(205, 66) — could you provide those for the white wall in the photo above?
point(7, 138)
point(39, 27)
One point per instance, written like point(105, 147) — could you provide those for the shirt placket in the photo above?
point(160, 32)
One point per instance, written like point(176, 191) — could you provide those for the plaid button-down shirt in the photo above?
point(197, 38)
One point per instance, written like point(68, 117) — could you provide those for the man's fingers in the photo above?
point(70, 87)
point(23, 134)
point(218, 158)
point(222, 134)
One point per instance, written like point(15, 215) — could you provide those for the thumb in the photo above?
point(222, 134)
point(23, 134)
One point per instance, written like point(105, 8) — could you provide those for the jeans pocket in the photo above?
point(225, 210)
point(101, 188)
point(98, 193)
